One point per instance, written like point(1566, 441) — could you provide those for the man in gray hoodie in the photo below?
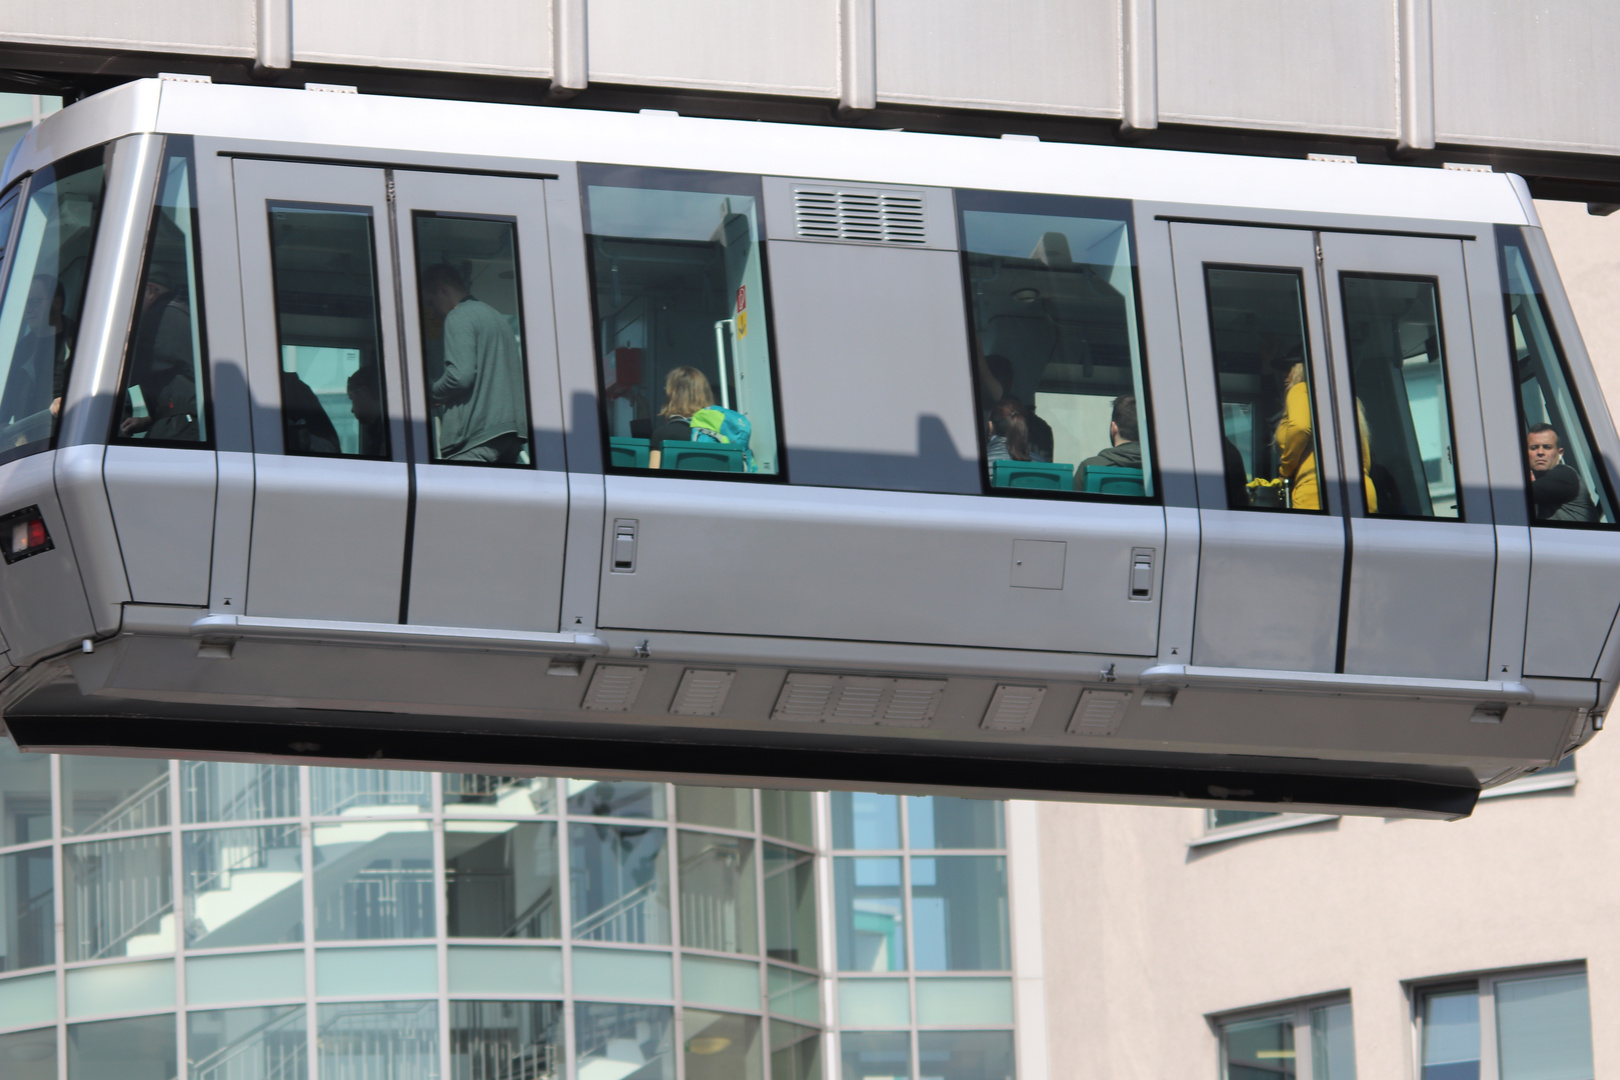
point(1125, 451)
point(480, 391)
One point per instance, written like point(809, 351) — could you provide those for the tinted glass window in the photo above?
point(1403, 411)
point(1565, 484)
point(1264, 383)
point(327, 319)
point(1259, 1049)
point(1450, 1048)
point(678, 280)
point(162, 395)
point(472, 340)
point(44, 299)
point(1058, 356)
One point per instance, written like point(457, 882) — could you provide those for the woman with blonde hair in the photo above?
point(686, 390)
point(1297, 444)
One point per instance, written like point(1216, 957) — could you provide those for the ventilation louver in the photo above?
point(858, 699)
point(870, 215)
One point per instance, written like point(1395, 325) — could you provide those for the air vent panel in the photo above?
point(862, 215)
point(858, 699)
point(614, 687)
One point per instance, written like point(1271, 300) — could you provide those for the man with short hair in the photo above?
point(1125, 449)
point(480, 391)
point(1555, 488)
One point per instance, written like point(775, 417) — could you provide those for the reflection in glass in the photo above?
point(373, 879)
point(248, 1044)
point(869, 914)
point(475, 793)
point(501, 879)
point(506, 1040)
point(790, 905)
point(1333, 1043)
point(27, 911)
point(1544, 1028)
point(29, 1055)
point(965, 1055)
point(161, 396)
point(236, 791)
point(394, 1039)
point(1260, 1049)
point(327, 323)
point(864, 821)
point(1451, 1035)
point(874, 1055)
point(625, 1041)
point(722, 1046)
point(1257, 335)
point(1219, 819)
point(720, 808)
point(25, 796)
point(118, 894)
point(615, 798)
point(678, 280)
point(369, 791)
point(795, 1051)
point(937, 821)
point(1058, 366)
point(243, 887)
point(44, 299)
point(788, 815)
point(959, 913)
point(139, 1049)
point(718, 906)
point(618, 886)
point(113, 794)
point(472, 338)
point(1544, 395)
point(1398, 374)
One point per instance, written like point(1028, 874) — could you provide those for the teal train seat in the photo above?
point(629, 453)
point(1032, 474)
point(704, 457)
point(1113, 480)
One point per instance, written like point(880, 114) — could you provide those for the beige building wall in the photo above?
point(1145, 936)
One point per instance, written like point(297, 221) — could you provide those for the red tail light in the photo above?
point(22, 534)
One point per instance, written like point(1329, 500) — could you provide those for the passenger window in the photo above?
point(678, 283)
point(1263, 382)
point(1057, 345)
point(162, 396)
point(1403, 410)
point(44, 298)
point(332, 400)
point(472, 339)
point(1564, 481)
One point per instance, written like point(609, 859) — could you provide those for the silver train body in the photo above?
point(924, 571)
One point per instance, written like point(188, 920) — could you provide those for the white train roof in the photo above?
point(476, 129)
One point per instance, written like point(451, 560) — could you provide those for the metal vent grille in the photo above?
point(870, 215)
point(1013, 708)
point(858, 699)
point(614, 688)
point(702, 693)
point(1099, 712)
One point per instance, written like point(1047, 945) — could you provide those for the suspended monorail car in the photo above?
point(343, 427)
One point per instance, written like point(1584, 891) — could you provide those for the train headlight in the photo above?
point(22, 534)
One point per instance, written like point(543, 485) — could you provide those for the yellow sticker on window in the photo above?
point(742, 324)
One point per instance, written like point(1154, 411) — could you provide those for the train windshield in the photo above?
point(44, 298)
point(1566, 487)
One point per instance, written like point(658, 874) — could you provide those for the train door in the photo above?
point(330, 477)
point(491, 492)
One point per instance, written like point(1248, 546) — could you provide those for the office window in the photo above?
point(1311, 1040)
point(1522, 1025)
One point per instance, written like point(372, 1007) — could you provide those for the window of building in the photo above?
point(679, 287)
point(1062, 399)
point(1523, 1025)
point(1223, 825)
point(1312, 1040)
point(1552, 778)
point(1565, 483)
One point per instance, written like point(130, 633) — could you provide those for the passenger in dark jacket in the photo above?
point(1126, 449)
point(1555, 488)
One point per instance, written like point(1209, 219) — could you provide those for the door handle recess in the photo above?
point(624, 546)
point(1141, 583)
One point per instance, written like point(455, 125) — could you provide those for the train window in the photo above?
point(162, 398)
point(678, 283)
point(44, 297)
point(1263, 378)
point(1403, 410)
point(327, 319)
point(472, 338)
point(1058, 351)
point(1565, 484)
